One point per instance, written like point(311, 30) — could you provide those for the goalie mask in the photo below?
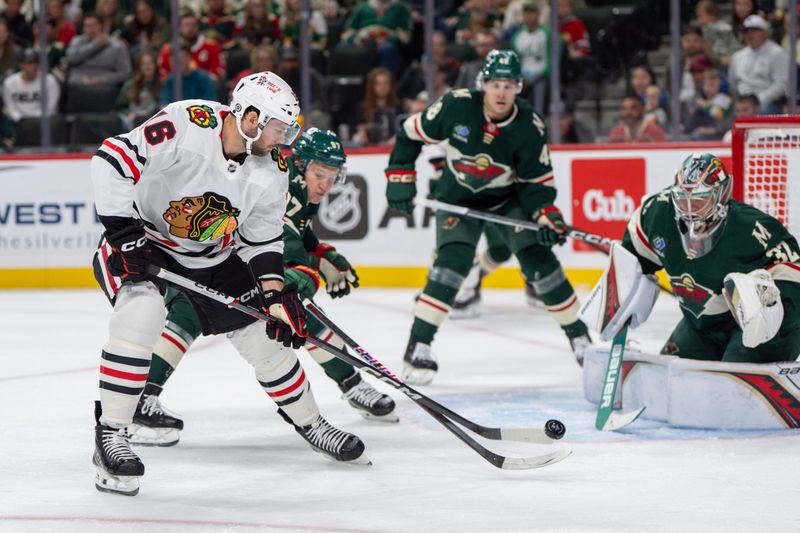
point(272, 98)
point(700, 196)
point(323, 147)
point(500, 65)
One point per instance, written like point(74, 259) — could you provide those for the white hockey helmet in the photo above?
point(272, 97)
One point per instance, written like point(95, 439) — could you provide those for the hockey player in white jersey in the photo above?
point(178, 192)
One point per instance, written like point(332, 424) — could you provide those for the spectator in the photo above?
point(512, 17)
point(642, 78)
point(572, 130)
point(55, 50)
point(692, 44)
point(384, 25)
point(413, 79)
point(65, 30)
point(17, 23)
point(95, 58)
point(711, 112)
point(216, 19)
point(289, 70)
point(720, 40)
point(262, 58)
point(531, 42)
point(746, 105)
point(195, 83)
point(138, 98)
point(698, 65)
point(144, 28)
point(290, 25)
point(632, 126)
point(653, 112)
point(573, 31)
point(9, 51)
point(110, 16)
point(379, 109)
point(761, 67)
point(741, 10)
point(22, 90)
point(206, 52)
point(484, 42)
point(259, 25)
point(474, 16)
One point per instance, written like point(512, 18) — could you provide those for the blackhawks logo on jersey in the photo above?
point(202, 115)
point(201, 218)
point(694, 296)
point(479, 172)
point(277, 156)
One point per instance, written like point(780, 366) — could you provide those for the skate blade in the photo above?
point(361, 460)
point(147, 436)
point(388, 418)
point(123, 485)
point(465, 313)
point(417, 376)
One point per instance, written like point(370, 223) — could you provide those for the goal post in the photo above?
point(766, 166)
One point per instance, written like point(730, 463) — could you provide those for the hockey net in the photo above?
point(766, 166)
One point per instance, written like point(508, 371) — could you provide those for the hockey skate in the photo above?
point(117, 468)
point(579, 346)
point(467, 303)
point(331, 442)
point(370, 403)
point(420, 364)
point(153, 424)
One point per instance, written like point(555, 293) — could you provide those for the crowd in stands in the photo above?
point(111, 66)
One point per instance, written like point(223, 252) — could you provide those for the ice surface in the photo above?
point(239, 468)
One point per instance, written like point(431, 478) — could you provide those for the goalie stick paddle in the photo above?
point(500, 461)
point(608, 419)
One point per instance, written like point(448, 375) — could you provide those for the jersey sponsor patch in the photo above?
point(200, 218)
point(202, 115)
point(693, 296)
point(461, 132)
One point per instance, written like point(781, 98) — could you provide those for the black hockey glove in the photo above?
point(131, 252)
point(554, 229)
point(289, 326)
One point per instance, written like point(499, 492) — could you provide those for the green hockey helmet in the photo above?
point(500, 65)
point(320, 146)
point(700, 195)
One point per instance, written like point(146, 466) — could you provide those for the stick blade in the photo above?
point(617, 420)
point(538, 461)
point(535, 435)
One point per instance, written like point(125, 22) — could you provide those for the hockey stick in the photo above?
point(598, 242)
point(500, 461)
point(553, 429)
point(607, 419)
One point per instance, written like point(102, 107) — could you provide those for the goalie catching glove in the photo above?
point(338, 273)
point(755, 302)
point(623, 293)
point(289, 326)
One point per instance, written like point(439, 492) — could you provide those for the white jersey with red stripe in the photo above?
point(196, 204)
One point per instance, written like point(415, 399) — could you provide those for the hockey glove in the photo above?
point(131, 252)
point(401, 190)
point(306, 279)
point(289, 326)
point(553, 228)
point(337, 272)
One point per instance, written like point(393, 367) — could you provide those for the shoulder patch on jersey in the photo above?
point(202, 115)
point(277, 156)
point(200, 218)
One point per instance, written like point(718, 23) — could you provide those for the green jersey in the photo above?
point(486, 163)
point(298, 238)
point(750, 240)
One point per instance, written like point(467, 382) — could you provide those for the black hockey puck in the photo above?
point(554, 429)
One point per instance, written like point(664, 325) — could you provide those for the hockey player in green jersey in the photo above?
point(316, 164)
point(496, 159)
point(734, 269)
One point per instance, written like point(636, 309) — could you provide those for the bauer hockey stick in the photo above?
point(500, 461)
point(608, 419)
point(553, 429)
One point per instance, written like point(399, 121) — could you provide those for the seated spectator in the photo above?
point(653, 112)
point(290, 25)
point(718, 34)
point(95, 58)
point(381, 24)
point(692, 45)
point(22, 91)
point(9, 51)
point(573, 31)
point(65, 30)
point(642, 78)
point(531, 42)
point(484, 42)
point(760, 67)
point(746, 105)
point(711, 111)
point(632, 126)
point(258, 26)
point(413, 79)
point(138, 98)
point(379, 109)
point(741, 10)
point(206, 52)
point(110, 16)
point(17, 23)
point(572, 130)
point(472, 17)
point(262, 58)
point(144, 28)
point(698, 65)
point(289, 70)
point(195, 83)
point(55, 52)
point(215, 19)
